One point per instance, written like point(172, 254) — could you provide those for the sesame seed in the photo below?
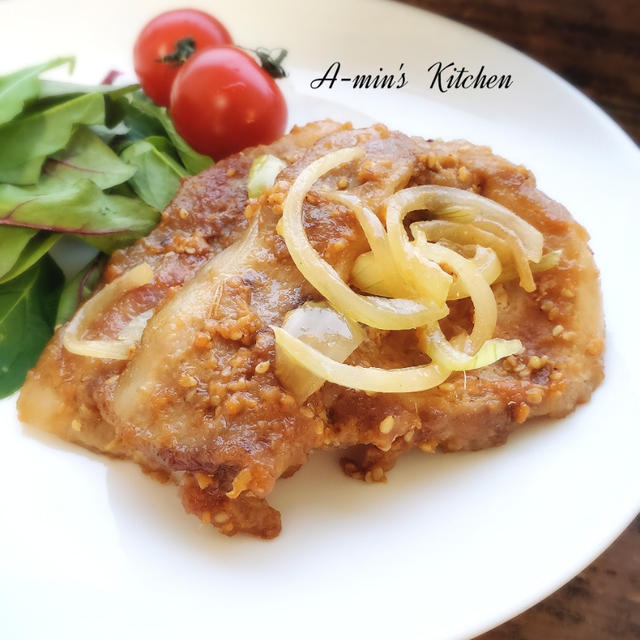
point(378, 474)
point(408, 437)
point(534, 395)
point(521, 412)
point(343, 183)
point(546, 305)
point(202, 479)
point(221, 517)
point(183, 214)
point(263, 367)
point(206, 517)
point(76, 425)
point(536, 362)
point(386, 425)
point(567, 293)
point(349, 467)
point(306, 412)
point(447, 386)
point(429, 446)
point(464, 174)
point(557, 330)
point(187, 380)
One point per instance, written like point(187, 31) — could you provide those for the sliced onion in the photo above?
point(324, 329)
point(548, 261)
point(486, 312)
point(262, 174)
point(463, 234)
point(133, 331)
point(371, 379)
point(518, 253)
point(371, 310)
point(475, 209)
point(428, 280)
point(108, 349)
point(380, 256)
point(369, 275)
point(434, 343)
point(524, 240)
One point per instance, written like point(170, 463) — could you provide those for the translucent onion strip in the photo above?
point(486, 312)
point(524, 240)
point(109, 349)
point(518, 253)
point(548, 261)
point(434, 343)
point(373, 311)
point(477, 208)
point(324, 329)
point(464, 234)
point(380, 256)
point(428, 280)
point(371, 379)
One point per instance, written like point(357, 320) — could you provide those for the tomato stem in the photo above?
point(185, 47)
point(271, 60)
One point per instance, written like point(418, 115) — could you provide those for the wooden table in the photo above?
point(595, 45)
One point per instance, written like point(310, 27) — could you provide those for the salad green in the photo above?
point(97, 163)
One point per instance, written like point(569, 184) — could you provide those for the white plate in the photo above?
point(452, 545)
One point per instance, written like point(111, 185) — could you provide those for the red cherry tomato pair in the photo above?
point(219, 98)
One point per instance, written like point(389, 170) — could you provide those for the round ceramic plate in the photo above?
point(453, 544)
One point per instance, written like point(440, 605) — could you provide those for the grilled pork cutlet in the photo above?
point(199, 400)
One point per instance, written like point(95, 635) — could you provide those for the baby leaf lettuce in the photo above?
point(87, 156)
point(43, 132)
point(143, 115)
point(12, 241)
point(158, 175)
point(78, 288)
point(27, 312)
point(80, 207)
point(23, 85)
point(37, 247)
point(97, 162)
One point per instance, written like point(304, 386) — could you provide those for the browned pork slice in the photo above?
point(199, 399)
point(206, 216)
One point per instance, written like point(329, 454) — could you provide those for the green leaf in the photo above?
point(86, 156)
point(35, 249)
point(20, 86)
point(157, 178)
point(27, 312)
point(161, 143)
point(78, 288)
point(80, 208)
point(43, 132)
point(12, 241)
point(149, 120)
point(23, 174)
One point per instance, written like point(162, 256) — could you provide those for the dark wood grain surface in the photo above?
point(595, 45)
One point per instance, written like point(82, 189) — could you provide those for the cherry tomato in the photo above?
point(160, 38)
point(222, 102)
